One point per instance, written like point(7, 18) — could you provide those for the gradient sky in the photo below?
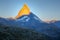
point(44, 9)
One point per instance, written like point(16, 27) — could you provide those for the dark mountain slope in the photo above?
point(15, 33)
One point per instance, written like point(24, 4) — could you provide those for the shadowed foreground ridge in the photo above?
point(8, 33)
point(28, 27)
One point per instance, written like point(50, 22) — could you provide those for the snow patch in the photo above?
point(24, 19)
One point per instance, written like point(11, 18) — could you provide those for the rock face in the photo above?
point(24, 11)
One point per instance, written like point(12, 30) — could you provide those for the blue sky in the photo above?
point(44, 9)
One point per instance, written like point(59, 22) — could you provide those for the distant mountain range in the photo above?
point(32, 22)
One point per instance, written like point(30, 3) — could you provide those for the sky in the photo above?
point(44, 9)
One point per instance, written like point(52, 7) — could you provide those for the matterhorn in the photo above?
point(27, 26)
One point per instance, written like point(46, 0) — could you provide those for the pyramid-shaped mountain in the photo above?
point(27, 20)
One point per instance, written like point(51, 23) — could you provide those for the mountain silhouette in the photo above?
point(27, 24)
point(32, 22)
point(57, 23)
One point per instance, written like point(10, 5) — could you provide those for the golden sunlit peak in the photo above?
point(24, 11)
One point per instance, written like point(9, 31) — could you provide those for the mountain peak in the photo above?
point(24, 11)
